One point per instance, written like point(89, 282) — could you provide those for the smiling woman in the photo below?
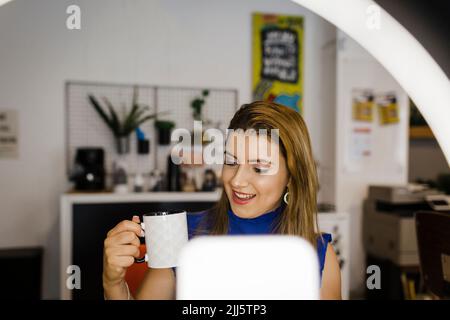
point(250, 183)
point(275, 193)
point(292, 171)
point(270, 187)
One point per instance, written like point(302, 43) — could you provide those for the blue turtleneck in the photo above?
point(263, 224)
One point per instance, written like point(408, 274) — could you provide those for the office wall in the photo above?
point(168, 42)
point(426, 160)
point(388, 163)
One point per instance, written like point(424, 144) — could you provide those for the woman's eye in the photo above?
point(261, 170)
point(230, 162)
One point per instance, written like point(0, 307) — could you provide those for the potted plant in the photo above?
point(197, 105)
point(197, 114)
point(122, 127)
point(164, 128)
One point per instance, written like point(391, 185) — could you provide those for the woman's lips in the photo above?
point(241, 201)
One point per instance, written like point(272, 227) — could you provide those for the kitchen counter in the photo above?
point(94, 197)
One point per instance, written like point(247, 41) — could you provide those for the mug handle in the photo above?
point(140, 260)
point(144, 258)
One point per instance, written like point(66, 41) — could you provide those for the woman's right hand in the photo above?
point(121, 246)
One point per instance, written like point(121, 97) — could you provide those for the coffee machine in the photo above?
point(88, 172)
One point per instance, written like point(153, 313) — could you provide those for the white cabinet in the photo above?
point(338, 225)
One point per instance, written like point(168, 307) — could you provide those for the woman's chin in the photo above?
point(237, 210)
point(244, 212)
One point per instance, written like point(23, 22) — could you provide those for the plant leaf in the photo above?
point(130, 119)
point(146, 118)
point(142, 109)
point(100, 111)
point(135, 107)
point(115, 122)
point(164, 124)
point(135, 96)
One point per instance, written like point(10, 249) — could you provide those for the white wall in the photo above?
point(171, 42)
point(389, 161)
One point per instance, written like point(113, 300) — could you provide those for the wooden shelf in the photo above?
point(420, 132)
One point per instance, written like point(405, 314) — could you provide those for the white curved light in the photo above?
point(2, 2)
point(400, 53)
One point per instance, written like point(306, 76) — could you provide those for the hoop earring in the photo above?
point(285, 197)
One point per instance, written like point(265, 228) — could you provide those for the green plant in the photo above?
point(164, 124)
point(122, 126)
point(197, 105)
point(164, 128)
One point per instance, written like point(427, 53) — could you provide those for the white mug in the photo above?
point(166, 233)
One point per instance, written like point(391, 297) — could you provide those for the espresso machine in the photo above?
point(88, 172)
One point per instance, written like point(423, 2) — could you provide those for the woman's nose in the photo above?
point(240, 179)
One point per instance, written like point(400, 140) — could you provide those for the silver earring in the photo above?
point(285, 197)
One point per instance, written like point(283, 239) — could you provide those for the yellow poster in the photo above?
point(388, 108)
point(278, 59)
point(363, 105)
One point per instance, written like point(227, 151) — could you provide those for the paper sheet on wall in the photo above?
point(360, 148)
point(8, 134)
point(361, 144)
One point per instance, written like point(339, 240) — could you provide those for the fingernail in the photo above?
point(135, 217)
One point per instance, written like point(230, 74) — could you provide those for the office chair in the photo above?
point(433, 240)
point(135, 273)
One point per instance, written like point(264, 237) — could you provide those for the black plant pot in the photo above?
point(164, 136)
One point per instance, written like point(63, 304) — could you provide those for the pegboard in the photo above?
point(85, 128)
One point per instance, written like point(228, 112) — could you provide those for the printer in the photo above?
point(389, 230)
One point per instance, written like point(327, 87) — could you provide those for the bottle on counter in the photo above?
point(156, 181)
point(209, 181)
point(173, 175)
point(138, 183)
point(120, 178)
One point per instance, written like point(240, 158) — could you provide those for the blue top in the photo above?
point(263, 224)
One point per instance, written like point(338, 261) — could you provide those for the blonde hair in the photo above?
point(299, 215)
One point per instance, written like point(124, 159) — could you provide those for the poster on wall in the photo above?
point(278, 59)
point(362, 105)
point(8, 134)
point(387, 108)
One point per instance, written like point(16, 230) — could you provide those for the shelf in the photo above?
point(163, 196)
point(420, 132)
